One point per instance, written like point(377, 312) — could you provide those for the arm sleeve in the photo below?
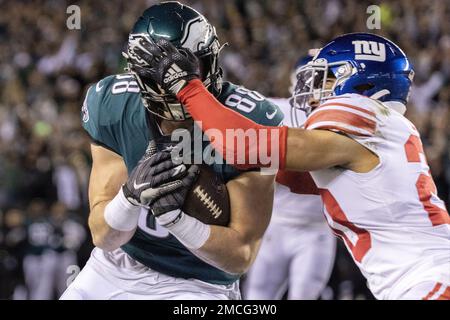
point(214, 117)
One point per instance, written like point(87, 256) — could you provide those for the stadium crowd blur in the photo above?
point(45, 68)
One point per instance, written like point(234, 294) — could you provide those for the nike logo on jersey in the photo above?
point(270, 116)
point(140, 185)
point(174, 73)
point(98, 87)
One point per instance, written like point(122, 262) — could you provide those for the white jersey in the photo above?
point(391, 220)
point(296, 199)
point(298, 248)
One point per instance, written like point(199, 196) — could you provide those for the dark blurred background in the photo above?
point(45, 68)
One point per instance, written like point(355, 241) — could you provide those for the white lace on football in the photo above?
point(206, 199)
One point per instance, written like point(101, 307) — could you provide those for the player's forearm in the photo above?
point(214, 117)
point(233, 248)
point(301, 154)
point(226, 249)
point(222, 247)
point(103, 235)
point(311, 150)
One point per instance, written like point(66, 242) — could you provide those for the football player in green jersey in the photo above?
point(146, 247)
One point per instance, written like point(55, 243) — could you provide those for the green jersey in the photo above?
point(115, 118)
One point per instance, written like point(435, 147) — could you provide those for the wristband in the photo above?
point(191, 232)
point(120, 214)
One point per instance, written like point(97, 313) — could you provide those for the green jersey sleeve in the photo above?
point(114, 116)
point(251, 104)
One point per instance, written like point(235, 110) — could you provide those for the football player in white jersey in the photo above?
point(298, 248)
point(365, 157)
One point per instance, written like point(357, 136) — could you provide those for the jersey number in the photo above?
point(241, 102)
point(147, 223)
point(128, 84)
point(357, 239)
point(426, 189)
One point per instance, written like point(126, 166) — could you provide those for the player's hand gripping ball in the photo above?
point(207, 199)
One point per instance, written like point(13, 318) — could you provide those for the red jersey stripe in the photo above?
point(344, 117)
point(433, 291)
point(445, 295)
point(371, 113)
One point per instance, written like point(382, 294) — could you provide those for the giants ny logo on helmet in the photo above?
point(369, 50)
point(174, 72)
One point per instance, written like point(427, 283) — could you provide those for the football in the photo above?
point(208, 199)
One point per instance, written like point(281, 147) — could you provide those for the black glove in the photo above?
point(174, 200)
point(159, 184)
point(154, 176)
point(169, 67)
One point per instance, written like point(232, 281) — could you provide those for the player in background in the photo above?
point(67, 237)
point(53, 237)
point(39, 256)
point(298, 247)
point(163, 253)
point(365, 157)
point(13, 242)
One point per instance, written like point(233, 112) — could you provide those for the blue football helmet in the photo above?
point(362, 63)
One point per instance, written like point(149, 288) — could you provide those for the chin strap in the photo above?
point(379, 94)
point(396, 105)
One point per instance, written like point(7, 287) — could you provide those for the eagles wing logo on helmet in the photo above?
point(197, 34)
point(134, 42)
point(185, 28)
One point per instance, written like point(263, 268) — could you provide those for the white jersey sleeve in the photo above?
point(352, 115)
